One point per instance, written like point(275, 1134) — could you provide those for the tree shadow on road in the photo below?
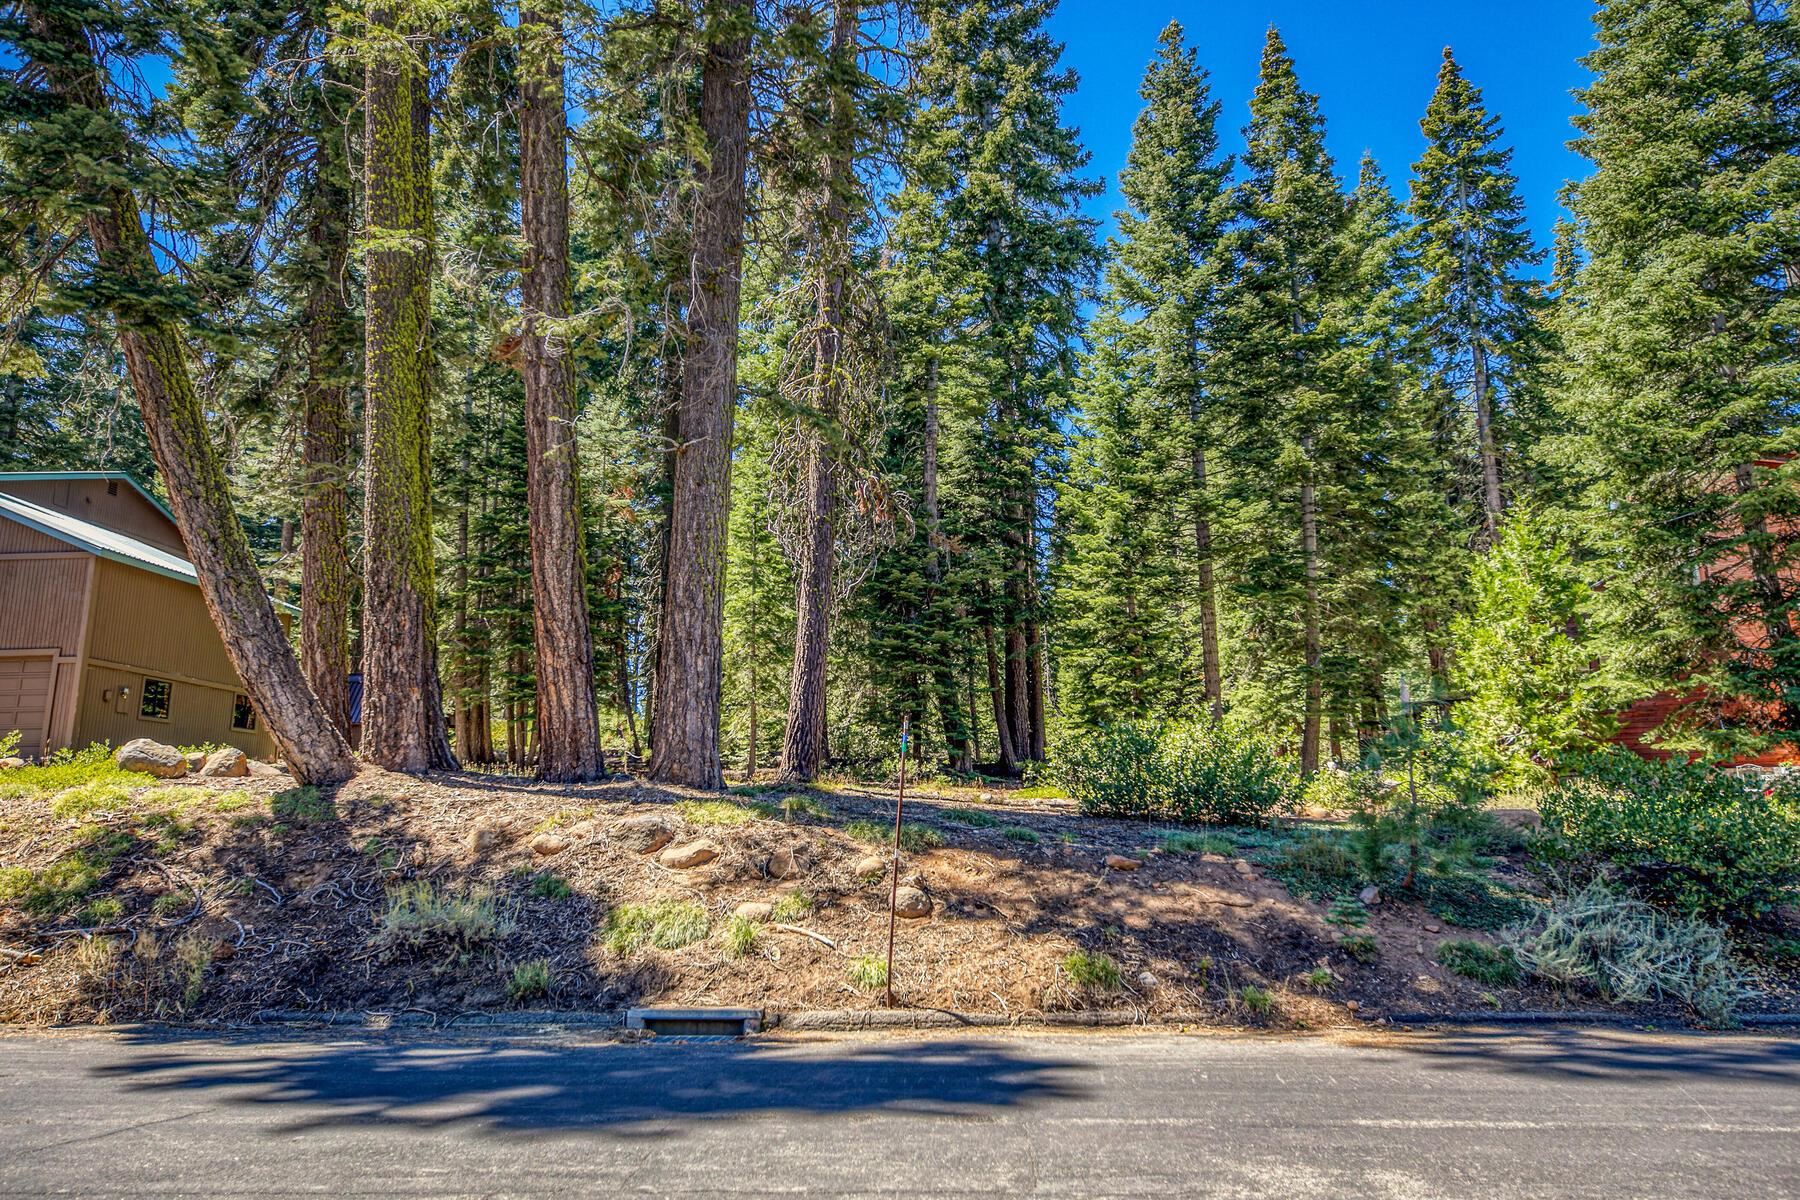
point(625, 1090)
point(1601, 1054)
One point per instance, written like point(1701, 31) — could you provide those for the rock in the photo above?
point(152, 758)
point(985, 798)
point(870, 865)
point(194, 759)
point(689, 855)
point(645, 833)
point(1434, 928)
point(581, 831)
point(754, 910)
point(9, 764)
point(229, 763)
point(263, 770)
point(482, 838)
point(548, 843)
point(1119, 862)
point(1351, 1006)
point(1243, 868)
point(1148, 980)
point(1370, 895)
point(784, 864)
point(1213, 858)
point(911, 903)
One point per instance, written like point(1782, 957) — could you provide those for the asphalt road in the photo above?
point(1496, 1116)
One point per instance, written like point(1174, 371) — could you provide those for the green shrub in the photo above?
point(1018, 833)
point(101, 795)
point(65, 769)
point(721, 812)
point(740, 937)
point(103, 911)
point(795, 804)
point(968, 816)
point(1316, 867)
point(1630, 952)
point(1091, 970)
point(1362, 947)
point(868, 972)
point(792, 907)
point(1200, 772)
point(914, 838)
point(69, 880)
point(1682, 834)
point(1182, 841)
point(9, 743)
point(1496, 966)
point(1321, 979)
point(529, 981)
point(420, 916)
point(665, 924)
point(1349, 913)
point(548, 885)
point(305, 805)
point(1257, 1000)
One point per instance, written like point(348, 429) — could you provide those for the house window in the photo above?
point(243, 713)
point(153, 701)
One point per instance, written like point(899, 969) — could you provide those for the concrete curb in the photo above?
point(869, 1020)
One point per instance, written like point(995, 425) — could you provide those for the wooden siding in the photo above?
point(152, 621)
point(126, 512)
point(21, 539)
point(198, 713)
point(40, 600)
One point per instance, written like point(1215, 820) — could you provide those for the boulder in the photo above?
point(689, 855)
point(482, 838)
point(784, 864)
point(263, 770)
point(911, 903)
point(1119, 862)
point(152, 758)
point(229, 762)
point(754, 910)
point(1370, 895)
point(8, 764)
point(1244, 868)
point(547, 843)
point(645, 833)
point(871, 865)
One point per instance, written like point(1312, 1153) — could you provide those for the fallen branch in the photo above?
point(817, 937)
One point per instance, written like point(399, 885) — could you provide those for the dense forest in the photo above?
point(725, 382)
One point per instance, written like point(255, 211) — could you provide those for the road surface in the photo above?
point(1489, 1115)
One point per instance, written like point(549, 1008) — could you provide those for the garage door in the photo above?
point(25, 700)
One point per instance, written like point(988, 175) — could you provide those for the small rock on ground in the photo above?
point(9, 764)
point(911, 903)
point(1119, 862)
point(645, 833)
point(689, 854)
point(1370, 895)
point(873, 864)
point(546, 844)
point(1244, 868)
point(784, 864)
point(152, 758)
point(754, 910)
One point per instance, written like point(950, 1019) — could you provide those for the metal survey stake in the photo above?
point(894, 872)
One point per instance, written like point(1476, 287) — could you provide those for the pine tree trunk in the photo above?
point(803, 743)
point(1211, 679)
point(1771, 596)
point(325, 421)
point(568, 723)
point(1009, 762)
point(1309, 549)
point(403, 720)
point(1034, 688)
point(685, 739)
point(199, 494)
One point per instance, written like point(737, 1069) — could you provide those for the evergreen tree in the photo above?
point(1477, 305)
point(1681, 338)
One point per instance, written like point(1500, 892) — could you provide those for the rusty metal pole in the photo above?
point(894, 871)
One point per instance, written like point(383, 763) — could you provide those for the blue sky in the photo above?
point(1373, 64)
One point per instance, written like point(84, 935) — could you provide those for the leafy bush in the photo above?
point(1199, 771)
point(1362, 947)
point(421, 916)
point(9, 743)
point(1316, 867)
point(1018, 833)
point(1683, 834)
point(1257, 1000)
point(548, 885)
point(665, 924)
point(529, 981)
point(1087, 969)
point(1629, 952)
point(868, 972)
point(1496, 966)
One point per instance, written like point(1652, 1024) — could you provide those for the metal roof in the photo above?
point(121, 476)
point(101, 541)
